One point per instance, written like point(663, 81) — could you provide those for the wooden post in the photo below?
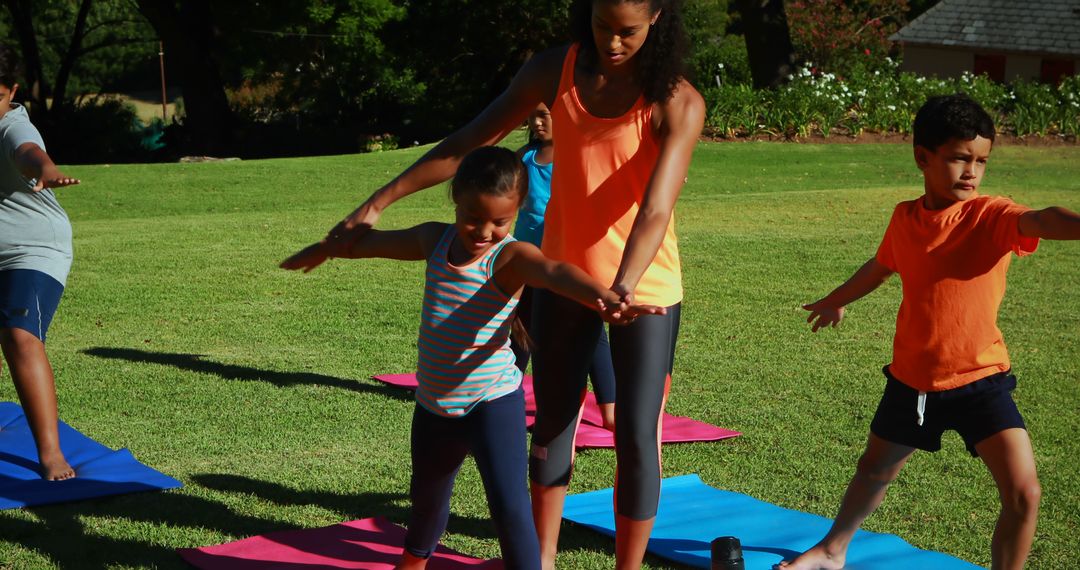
point(161, 64)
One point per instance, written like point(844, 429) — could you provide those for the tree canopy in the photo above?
point(255, 77)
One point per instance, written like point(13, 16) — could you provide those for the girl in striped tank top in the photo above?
point(469, 398)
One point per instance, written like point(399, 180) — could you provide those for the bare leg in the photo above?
point(878, 466)
point(410, 562)
point(631, 538)
point(33, 376)
point(547, 506)
point(1011, 461)
point(607, 415)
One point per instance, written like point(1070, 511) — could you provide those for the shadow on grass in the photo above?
point(76, 535)
point(352, 506)
point(196, 363)
point(574, 538)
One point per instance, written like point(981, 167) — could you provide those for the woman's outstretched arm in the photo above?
point(536, 82)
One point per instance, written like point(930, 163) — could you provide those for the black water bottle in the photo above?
point(727, 554)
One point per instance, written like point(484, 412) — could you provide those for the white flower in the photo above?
point(720, 65)
point(891, 107)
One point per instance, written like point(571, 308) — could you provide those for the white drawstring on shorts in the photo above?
point(920, 407)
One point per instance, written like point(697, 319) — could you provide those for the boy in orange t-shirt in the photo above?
point(950, 368)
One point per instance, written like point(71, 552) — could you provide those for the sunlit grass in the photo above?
point(180, 339)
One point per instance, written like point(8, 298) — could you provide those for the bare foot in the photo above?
point(54, 467)
point(817, 558)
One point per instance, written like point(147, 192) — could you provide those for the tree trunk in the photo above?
point(73, 53)
point(768, 41)
point(186, 29)
point(36, 87)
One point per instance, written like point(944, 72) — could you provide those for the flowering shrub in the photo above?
point(837, 34)
point(733, 109)
point(1038, 110)
point(884, 100)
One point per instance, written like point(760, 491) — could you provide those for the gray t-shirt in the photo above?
point(34, 230)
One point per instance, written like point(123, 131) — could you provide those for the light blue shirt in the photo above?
point(34, 230)
point(530, 221)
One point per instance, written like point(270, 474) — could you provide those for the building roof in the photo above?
point(1032, 26)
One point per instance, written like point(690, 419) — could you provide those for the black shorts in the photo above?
point(976, 411)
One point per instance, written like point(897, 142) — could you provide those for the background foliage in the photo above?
point(333, 76)
point(884, 100)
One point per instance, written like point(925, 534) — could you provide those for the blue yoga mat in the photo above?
point(692, 514)
point(99, 471)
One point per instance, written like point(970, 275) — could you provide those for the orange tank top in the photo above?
point(602, 168)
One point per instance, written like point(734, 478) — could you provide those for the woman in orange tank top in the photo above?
point(625, 123)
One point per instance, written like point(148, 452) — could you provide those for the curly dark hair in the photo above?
point(490, 170)
point(10, 66)
point(662, 59)
point(947, 117)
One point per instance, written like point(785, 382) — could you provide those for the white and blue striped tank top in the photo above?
point(464, 344)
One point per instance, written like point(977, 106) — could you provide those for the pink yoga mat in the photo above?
point(591, 433)
point(368, 544)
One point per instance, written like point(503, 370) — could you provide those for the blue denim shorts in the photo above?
point(976, 411)
point(28, 300)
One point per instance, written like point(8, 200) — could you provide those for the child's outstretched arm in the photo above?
point(521, 263)
point(1050, 223)
point(33, 162)
point(829, 311)
point(412, 244)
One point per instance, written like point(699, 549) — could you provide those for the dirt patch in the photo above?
point(893, 138)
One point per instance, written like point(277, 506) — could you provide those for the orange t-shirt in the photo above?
point(602, 168)
point(952, 263)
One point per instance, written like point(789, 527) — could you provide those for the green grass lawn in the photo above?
point(179, 339)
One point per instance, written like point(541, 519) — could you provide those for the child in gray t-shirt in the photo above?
point(35, 256)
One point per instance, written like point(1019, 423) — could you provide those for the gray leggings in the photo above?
point(642, 353)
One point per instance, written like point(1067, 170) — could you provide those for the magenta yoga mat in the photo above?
point(367, 544)
point(591, 433)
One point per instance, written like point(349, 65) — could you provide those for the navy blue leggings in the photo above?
point(494, 432)
point(601, 371)
point(642, 353)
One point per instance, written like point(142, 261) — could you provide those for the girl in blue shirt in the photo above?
point(537, 155)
